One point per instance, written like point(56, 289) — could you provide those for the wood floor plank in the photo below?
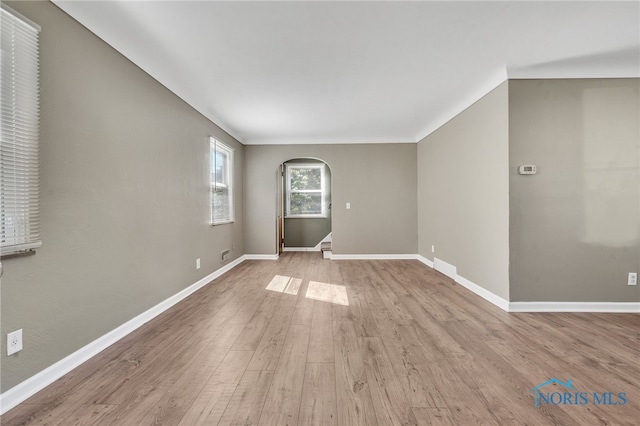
point(336, 274)
point(247, 401)
point(385, 287)
point(318, 403)
point(409, 355)
point(268, 351)
point(176, 401)
point(89, 414)
point(282, 404)
point(168, 365)
point(321, 337)
point(359, 312)
point(252, 333)
point(209, 299)
point(504, 384)
point(465, 403)
point(390, 401)
point(165, 391)
point(66, 403)
point(303, 312)
point(248, 308)
point(433, 416)
point(208, 407)
point(354, 403)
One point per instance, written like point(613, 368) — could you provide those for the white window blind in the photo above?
point(19, 133)
point(221, 183)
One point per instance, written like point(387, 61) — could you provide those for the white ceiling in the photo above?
point(358, 72)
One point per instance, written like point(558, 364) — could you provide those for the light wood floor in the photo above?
point(411, 347)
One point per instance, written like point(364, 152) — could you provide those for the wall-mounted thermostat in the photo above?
point(527, 170)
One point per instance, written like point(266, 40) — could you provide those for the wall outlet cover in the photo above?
point(14, 342)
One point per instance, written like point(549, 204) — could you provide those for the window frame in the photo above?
point(322, 191)
point(216, 146)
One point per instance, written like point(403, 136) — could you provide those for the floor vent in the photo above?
point(224, 255)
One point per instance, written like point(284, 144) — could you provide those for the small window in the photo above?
point(221, 183)
point(306, 190)
point(19, 134)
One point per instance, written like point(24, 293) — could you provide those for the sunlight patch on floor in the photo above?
point(331, 293)
point(294, 286)
point(283, 284)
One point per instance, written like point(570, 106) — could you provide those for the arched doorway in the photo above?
point(304, 204)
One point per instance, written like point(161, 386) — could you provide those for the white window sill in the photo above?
point(223, 223)
point(20, 250)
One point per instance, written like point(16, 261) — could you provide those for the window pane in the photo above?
point(221, 205)
point(219, 172)
point(305, 178)
point(301, 203)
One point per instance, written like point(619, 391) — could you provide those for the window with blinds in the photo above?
point(221, 183)
point(19, 133)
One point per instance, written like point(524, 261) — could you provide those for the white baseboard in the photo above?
point(452, 272)
point(261, 257)
point(608, 307)
point(373, 256)
point(424, 260)
point(484, 293)
point(44, 378)
point(605, 307)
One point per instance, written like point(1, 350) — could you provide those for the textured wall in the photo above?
point(378, 180)
point(463, 193)
point(575, 225)
point(124, 199)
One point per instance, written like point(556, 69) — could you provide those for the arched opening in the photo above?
point(304, 205)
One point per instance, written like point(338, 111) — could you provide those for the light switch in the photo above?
point(348, 206)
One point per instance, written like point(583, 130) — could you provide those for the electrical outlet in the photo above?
point(348, 206)
point(633, 278)
point(433, 249)
point(14, 342)
point(198, 263)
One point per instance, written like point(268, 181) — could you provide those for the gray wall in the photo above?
point(378, 180)
point(304, 231)
point(463, 193)
point(124, 199)
point(574, 229)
